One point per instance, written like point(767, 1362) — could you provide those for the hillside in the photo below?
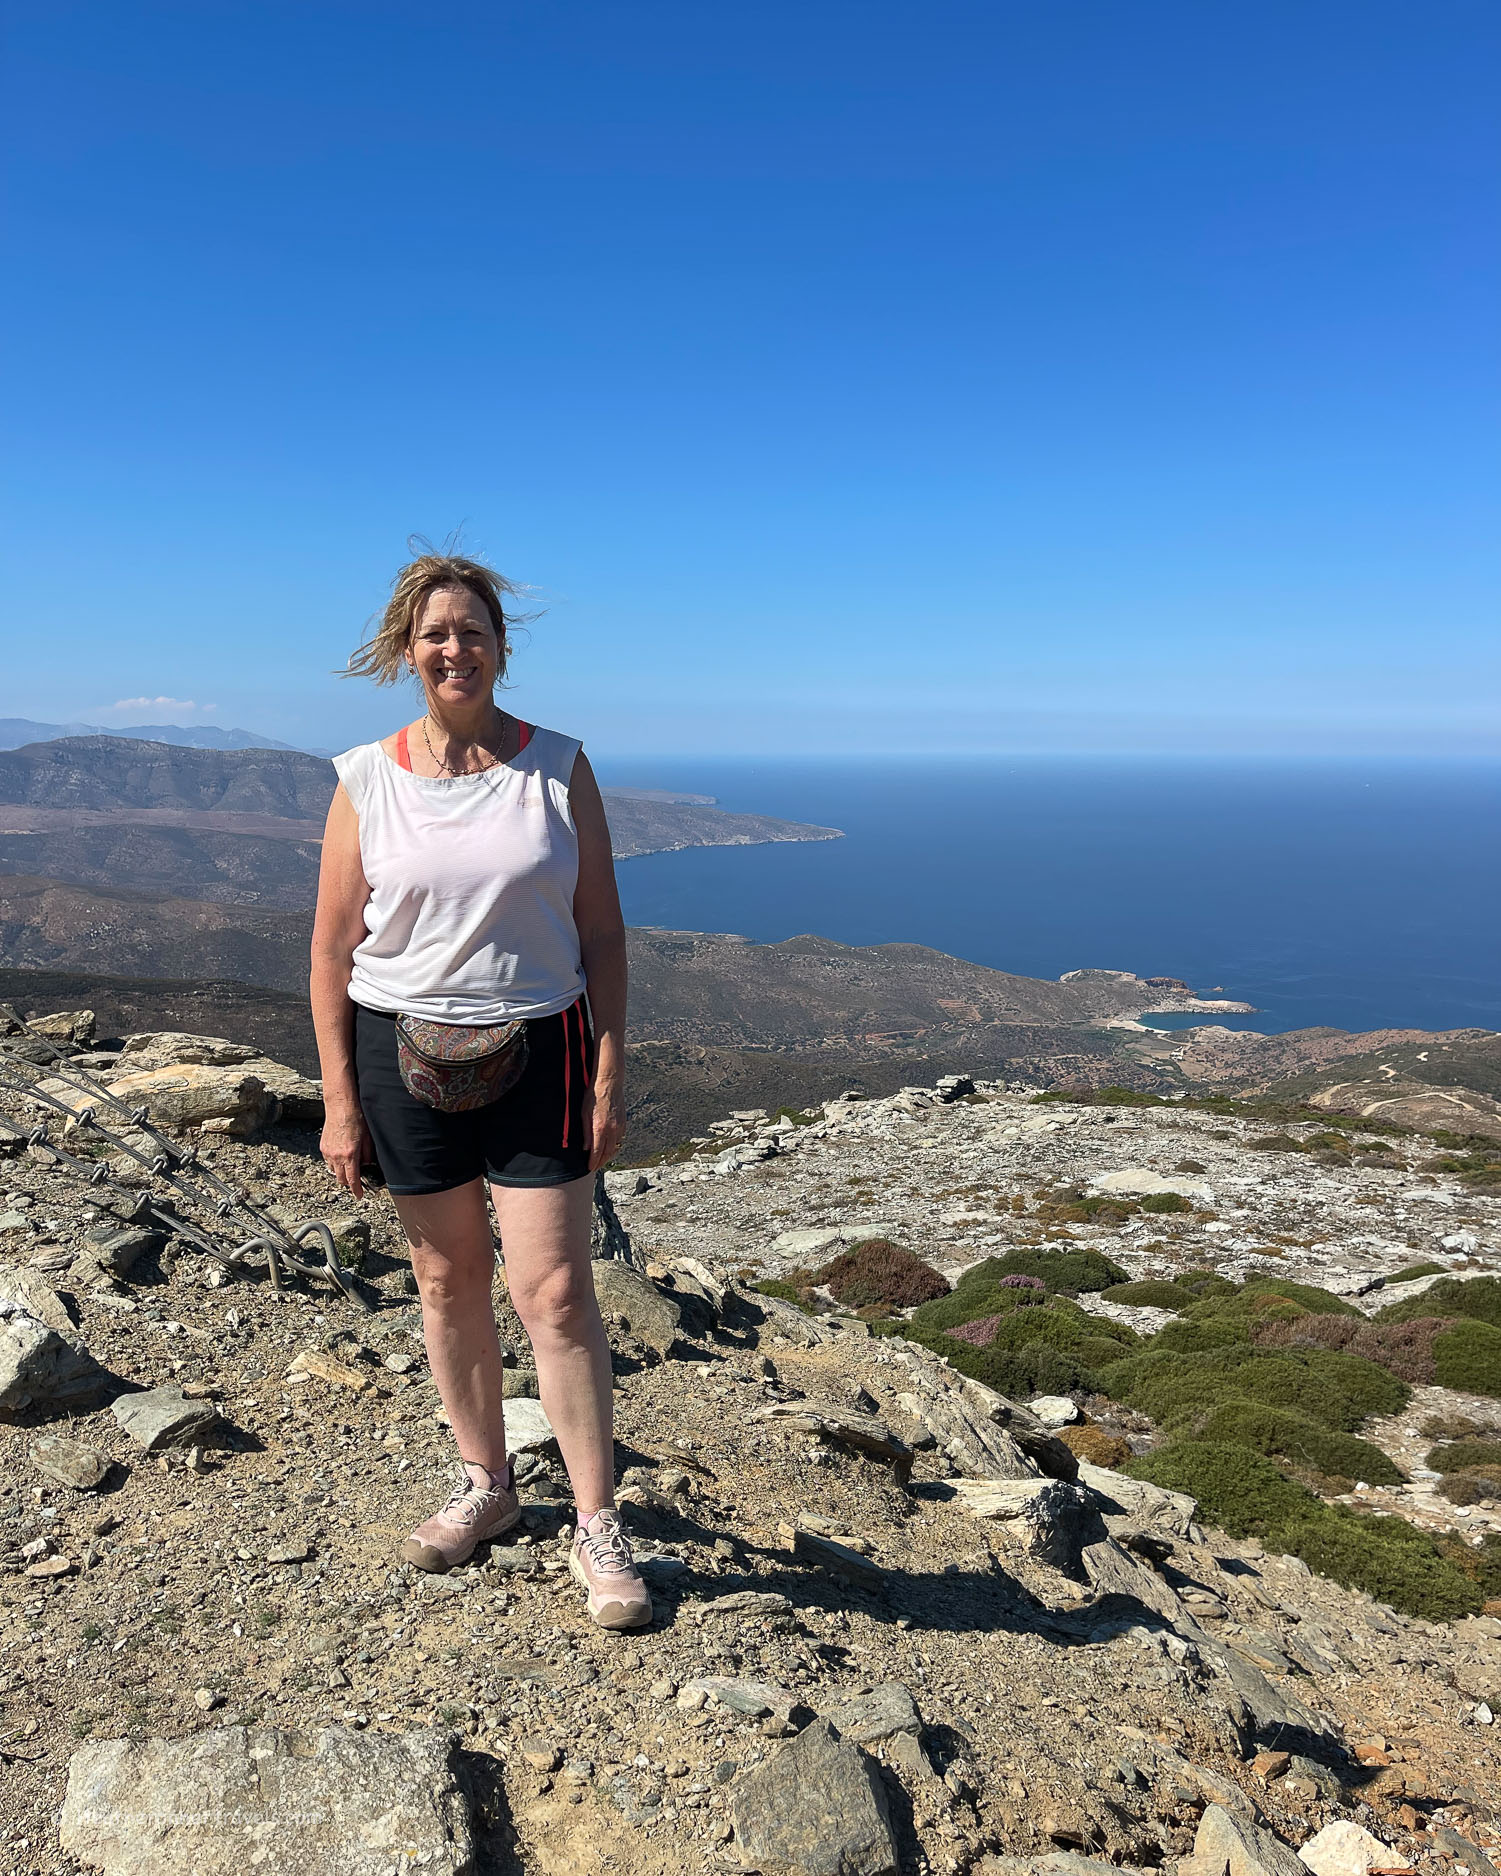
point(904, 1619)
point(109, 810)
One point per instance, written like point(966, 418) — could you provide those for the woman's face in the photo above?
point(454, 650)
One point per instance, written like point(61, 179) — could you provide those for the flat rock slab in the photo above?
point(69, 1462)
point(220, 1803)
point(884, 1712)
point(1142, 1182)
point(816, 1809)
point(838, 1559)
point(163, 1416)
point(650, 1316)
point(752, 1698)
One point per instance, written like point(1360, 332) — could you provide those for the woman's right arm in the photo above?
point(338, 927)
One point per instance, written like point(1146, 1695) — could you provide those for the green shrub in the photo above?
point(1066, 1272)
point(1480, 1171)
point(1205, 1283)
point(1299, 1439)
point(1307, 1295)
point(1019, 1374)
point(1166, 1202)
point(1467, 1357)
point(1479, 1299)
point(878, 1271)
point(969, 1305)
point(1178, 1390)
point(1196, 1337)
point(1414, 1271)
point(1275, 1143)
point(1149, 1293)
point(1371, 1388)
point(1461, 1455)
point(1067, 1328)
point(1249, 1496)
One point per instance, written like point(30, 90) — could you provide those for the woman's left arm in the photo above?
point(601, 929)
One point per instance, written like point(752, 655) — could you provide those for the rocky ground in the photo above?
point(897, 1626)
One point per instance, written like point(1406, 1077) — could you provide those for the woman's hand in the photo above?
point(604, 1121)
point(346, 1147)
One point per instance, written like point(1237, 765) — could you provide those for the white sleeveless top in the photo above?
point(470, 914)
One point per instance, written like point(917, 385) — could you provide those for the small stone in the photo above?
point(163, 1416)
point(51, 1566)
point(1270, 1765)
point(205, 1699)
point(541, 1756)
point(296, 1552)
point(663, 1690)
point(70, 1462)
point(315, 1361)
point(1055, 1410)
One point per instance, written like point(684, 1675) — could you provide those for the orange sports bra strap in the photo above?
point(403, 756)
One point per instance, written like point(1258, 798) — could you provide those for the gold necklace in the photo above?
point(444, 769)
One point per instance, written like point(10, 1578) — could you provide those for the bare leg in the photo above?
point(544, 1233)
point(453, 1260)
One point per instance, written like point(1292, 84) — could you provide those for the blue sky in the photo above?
point(842, 377)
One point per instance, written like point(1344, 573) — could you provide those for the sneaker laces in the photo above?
point(468, 1500)
point(608, 1548)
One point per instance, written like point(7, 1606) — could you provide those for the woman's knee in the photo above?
point(558, 1304)
point(446, 1280)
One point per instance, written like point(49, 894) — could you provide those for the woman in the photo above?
point(467, 880)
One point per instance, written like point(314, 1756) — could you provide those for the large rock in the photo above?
point(300, 1096)
point(28, 1293)
point(1234, 1846)
point(223, 1803)
point(816, 1809)
point(977, 1446)
point(528, 1429)
point(64, 1026)
point(1345, 1848)
point(163, 1416)
point(650, 1317)
point(1138, 1501)
point(41, 1369)
point(1053, 1518)
point(219, 1100)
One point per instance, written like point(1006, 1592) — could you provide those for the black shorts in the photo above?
point(532, 1136)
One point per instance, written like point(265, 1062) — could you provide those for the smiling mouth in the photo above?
point(459, 675)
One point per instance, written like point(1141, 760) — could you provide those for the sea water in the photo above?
point(1361, 895)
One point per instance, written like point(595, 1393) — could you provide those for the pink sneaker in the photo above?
point(472, 1514)
point(601, 1560)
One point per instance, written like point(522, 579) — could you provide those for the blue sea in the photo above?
point(1361, 895)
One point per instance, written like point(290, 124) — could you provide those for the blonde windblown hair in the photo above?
point(383, 655)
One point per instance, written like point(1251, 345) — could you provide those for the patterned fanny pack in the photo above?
point(456, 1067)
